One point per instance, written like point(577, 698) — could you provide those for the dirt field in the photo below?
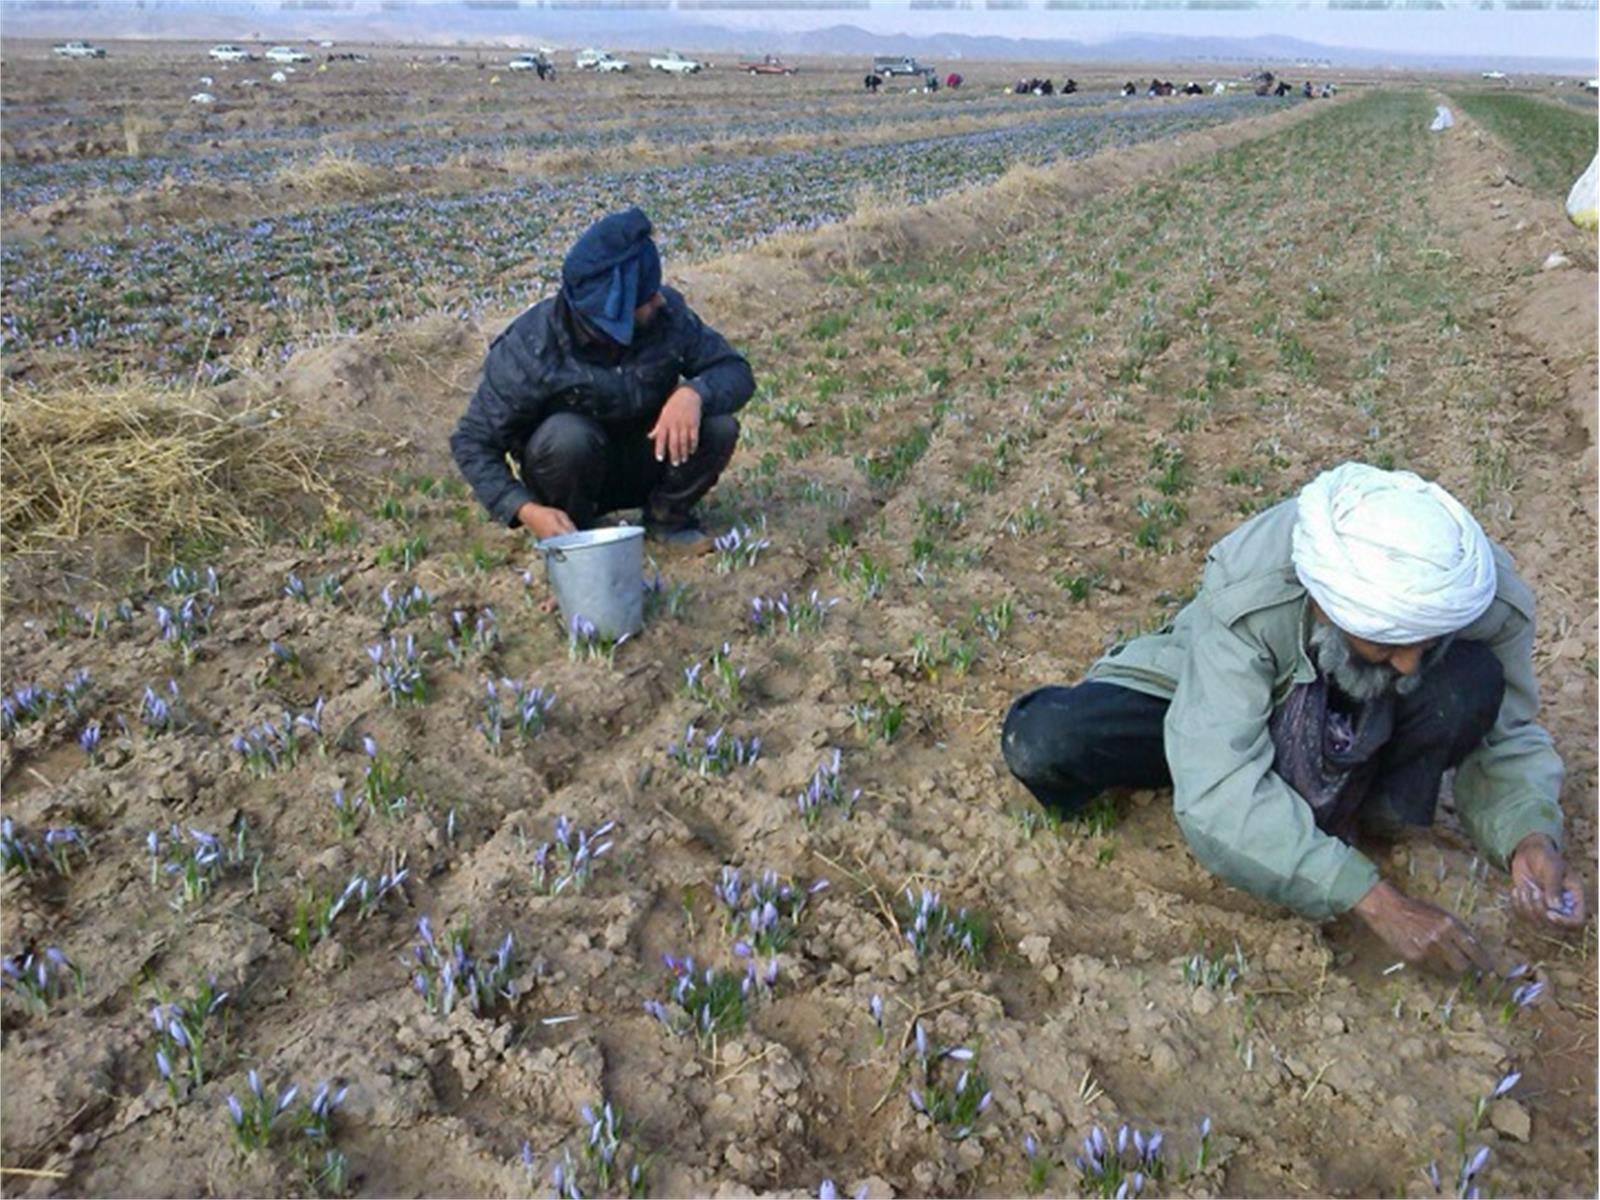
point(1001, 428)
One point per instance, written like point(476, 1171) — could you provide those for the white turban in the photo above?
point(1390, 557)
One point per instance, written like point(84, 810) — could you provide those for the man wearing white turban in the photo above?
point(1346, 648)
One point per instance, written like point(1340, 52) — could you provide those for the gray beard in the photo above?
point(1358, 679)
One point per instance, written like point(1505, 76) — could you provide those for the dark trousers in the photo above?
point(585, 469)
point(1069, 744)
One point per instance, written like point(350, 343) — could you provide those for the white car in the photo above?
point(675, 64)
point(598, 60)
point(527, 62)
point(77, 50)
point(230, 53)
point(286, 54)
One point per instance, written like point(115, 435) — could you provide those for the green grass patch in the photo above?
point(1551, 146)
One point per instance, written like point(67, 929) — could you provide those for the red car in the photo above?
point(770, 64)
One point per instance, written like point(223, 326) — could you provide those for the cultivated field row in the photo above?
point(967, 473)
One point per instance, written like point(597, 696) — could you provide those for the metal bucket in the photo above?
point(598, 574)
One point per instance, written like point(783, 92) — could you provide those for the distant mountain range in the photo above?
point(651, 26)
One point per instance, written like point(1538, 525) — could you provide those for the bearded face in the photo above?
point(1360, 680)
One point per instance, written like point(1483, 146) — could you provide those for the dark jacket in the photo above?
point(537, 368)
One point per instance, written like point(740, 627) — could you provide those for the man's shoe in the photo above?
point(685, 536)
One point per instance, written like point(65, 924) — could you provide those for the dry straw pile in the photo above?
point(334, 175)
point(159, 466)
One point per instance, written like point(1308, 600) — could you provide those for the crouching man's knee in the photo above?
point(1038, 744)
point(719, 435)
point(565, 442)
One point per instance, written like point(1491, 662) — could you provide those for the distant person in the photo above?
point(1283, 88)
point(953, 81)
point(1346, 648)
point(1070, 87)
point(873, 82)
point(1306, 91)
point(610, 394)
point(1128, 89)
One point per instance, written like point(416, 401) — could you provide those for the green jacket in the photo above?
point(1234, 653)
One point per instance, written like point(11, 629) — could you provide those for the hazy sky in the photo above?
point(1514, 27)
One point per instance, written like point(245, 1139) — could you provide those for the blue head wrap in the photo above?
point(612, 269)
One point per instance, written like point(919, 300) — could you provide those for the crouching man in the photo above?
point(611, 394)
point(1345, 649)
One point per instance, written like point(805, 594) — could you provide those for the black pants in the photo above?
point(1069, 744)
point(585, 469)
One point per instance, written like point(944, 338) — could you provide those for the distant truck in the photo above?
point(533, 62)
point(598, 60)
point(768, 64)
point(77, 50)
point(674, 63)
point(898, 64)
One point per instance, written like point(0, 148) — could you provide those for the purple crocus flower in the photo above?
point(163, 1064)
point(1153, 1146)
point(235, 1109)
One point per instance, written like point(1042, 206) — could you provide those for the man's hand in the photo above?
point(1421, 932)
point(1543, 888)
point(544, 522)
point(677, 430)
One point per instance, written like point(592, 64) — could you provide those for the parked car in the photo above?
point(230, 53)
point(532, 62)
point(598, 60)
point(77, 50)
point(898, 64)
point(286, 54)
point(674, 63)
point(770, 64)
